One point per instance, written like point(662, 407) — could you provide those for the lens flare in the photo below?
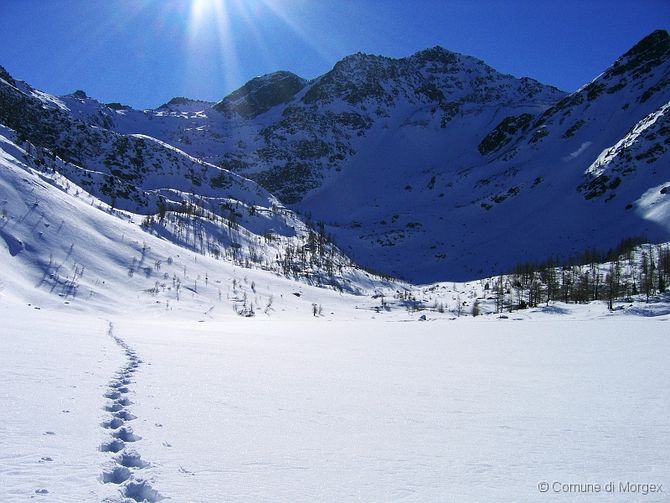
point(218, 31)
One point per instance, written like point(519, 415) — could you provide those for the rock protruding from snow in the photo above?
point(261, 94)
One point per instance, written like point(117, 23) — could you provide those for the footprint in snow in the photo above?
point(113, 424)
point(114, 407)
point(141, 491)
point(126, 435)
point(125, 415)
point(131, 460)
point(115, 445)
point(116, 475)
point(118, 383)
point(126, 462)
point(124, 402)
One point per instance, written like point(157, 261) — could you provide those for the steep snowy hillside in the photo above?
point(60, 245)
point(133, 172)
point(181, 198)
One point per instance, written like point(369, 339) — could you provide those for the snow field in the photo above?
point(367, 411)
point(54, 368)
point(143, 405)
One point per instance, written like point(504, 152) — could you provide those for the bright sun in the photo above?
point(202, 9)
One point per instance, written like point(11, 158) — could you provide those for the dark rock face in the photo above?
point(261, 94)
point(503, 133)
point(648, 53)
point(4, 74)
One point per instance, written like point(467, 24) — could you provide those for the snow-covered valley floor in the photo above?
point(472, 410)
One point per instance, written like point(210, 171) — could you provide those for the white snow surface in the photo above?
point(317, 410)
point(54, 368)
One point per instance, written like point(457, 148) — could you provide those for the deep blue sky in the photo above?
point(144, 52)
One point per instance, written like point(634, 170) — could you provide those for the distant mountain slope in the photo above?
point(133, 172)
point(479, 197)
point(429, 167)
point(180, 198)
point(293, 136)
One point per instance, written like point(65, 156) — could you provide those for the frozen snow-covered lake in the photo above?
point(462, 411)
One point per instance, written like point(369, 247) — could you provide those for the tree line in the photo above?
point(632, 268)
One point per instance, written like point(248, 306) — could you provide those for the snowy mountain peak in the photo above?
point(354, 79)
point(439, 59)
point(434, 75)
point(182, 103)
point(435, 53)
point(359, 59)
point(261, 94)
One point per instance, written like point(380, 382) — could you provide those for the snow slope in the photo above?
point(62, 248)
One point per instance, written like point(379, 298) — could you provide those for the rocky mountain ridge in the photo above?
point(432, 166)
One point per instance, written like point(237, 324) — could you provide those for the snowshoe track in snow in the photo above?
point(124, 468)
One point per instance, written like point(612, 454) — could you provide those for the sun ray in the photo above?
point(250, 12)
point(226, 44)
point(211, 42)
point(106, 32)
point(218, 30)
point(322, 46)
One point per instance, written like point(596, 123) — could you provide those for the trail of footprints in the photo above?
point(126, 464)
